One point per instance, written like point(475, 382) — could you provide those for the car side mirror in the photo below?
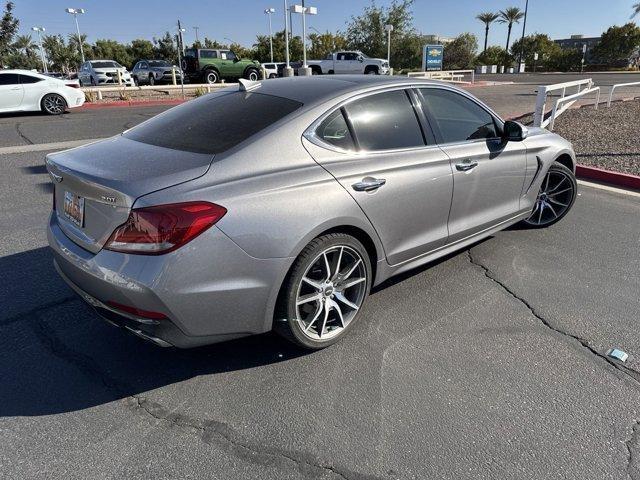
point(360, 58)
point(514, 131)
point(236, 60)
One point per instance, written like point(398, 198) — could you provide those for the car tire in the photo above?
point(371, 71)
point(211, 76)
point(557, 195)
point(136, 82)
point(152, 80)
point(252, 74)
point(93, 82)
point(53, 104)
point(273, 75)
point(317, 305)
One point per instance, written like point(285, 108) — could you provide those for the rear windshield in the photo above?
point(213, 123)
point(105, 65)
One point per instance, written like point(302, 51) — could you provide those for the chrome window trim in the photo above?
point(310, 132)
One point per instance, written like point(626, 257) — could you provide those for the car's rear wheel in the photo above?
point(371, 71)
point(324, 292)
point(211, 76)
point(252, 74)
point(136, 82)
point(53, 104)
point(556, 197)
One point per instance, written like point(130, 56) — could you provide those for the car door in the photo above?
point(488, 172)
point(11, 91)
point(33, 90)
point(235, 67)
point(377, 149)
point(341, 64)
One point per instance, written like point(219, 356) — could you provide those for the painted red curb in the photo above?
point(623, 180)
point(131, 103)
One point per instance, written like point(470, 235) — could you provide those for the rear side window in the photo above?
point(335, 131)
point(29, 79)
point(9, 79)
point(208, 54)
point(385, 121)
point(458, 118)
point(213, 123)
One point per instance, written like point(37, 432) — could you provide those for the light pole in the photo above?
point(389, 29)
point(75, 12)
point(302, 9)
point(288, 71)
point(269, 12)
point(40, 30)
point(197, 37)
point(180, 49)
point(524, 27)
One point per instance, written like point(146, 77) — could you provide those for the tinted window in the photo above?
point(9, 79)
point(385, 121)
point(159, 63)
point(190, 53)
point(213, 123)
point(29, 79)
point(458, 118)
point(334, 130)
point(208, 54)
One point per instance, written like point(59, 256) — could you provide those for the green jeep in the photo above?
point(211, 65)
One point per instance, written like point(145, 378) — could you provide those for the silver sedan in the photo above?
point(280, 204)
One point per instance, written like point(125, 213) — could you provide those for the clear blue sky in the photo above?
point(241, 20)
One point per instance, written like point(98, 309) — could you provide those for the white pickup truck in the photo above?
point(352, 62)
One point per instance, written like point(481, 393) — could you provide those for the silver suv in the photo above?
point(100, 72)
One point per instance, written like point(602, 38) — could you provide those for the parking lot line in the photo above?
point(608, 188)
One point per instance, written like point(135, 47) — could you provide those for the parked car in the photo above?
point(101, 72)
point(212, 65)
point(271, 69)
point(150, 72)
point(23, 91)
point(349, 62)
point(294, 66)
point(211, 222)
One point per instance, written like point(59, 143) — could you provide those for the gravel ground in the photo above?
point(606, 138)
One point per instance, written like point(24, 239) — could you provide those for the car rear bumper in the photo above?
point(210, 290)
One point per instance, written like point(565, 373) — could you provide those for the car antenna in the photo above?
point(248, 85)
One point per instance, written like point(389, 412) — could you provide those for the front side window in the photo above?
point(213, 123)
point(458, 118)
point(335, 131)
point(385, 121)
point(9, 79)
point(351, 56)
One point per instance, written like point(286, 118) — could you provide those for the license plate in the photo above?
point(74, 208)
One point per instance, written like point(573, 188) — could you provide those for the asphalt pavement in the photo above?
point(488, 364)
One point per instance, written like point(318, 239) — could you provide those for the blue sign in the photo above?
point(432, 57)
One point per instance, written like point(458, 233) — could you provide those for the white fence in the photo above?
point(583, 88)
point(453, 76)
point(158, 88)
point(620, 85)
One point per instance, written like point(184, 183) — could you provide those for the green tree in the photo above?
point(62, 56)
point(325, 43)
point(494, 56)
point(8, 29)
point(510, 16)
point(261, 48)
point(112, 50)
point(537, 43)
point(461, 52)
point(208, 43)
point(165, 48)
point(563, 60)
point(487, 18)
point(141, 49)
point(74, 44)
point(24, 54)
point(617, 44)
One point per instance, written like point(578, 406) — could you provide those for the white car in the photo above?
point(350, 62)
point(271, 69)
point(100, 72)
point(25, 91)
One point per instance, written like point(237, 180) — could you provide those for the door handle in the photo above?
point(368, 184)
point(16, 88)
point(466, 166)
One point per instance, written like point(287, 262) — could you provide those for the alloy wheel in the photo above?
point(554, 199)
point(331, 292)
point(54, 104)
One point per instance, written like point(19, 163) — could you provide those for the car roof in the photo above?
point(318, 89)
point(26, 72)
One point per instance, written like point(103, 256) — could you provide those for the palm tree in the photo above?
point(636, 9)
point(487, 18)
point(510, 16)
point(24, 44)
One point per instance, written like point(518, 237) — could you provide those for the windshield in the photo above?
point(213, 123)
point(105, 65)
point(159, 63)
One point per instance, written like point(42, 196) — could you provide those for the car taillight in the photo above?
point(73, 85)
point(138, 312)
point(163, 228)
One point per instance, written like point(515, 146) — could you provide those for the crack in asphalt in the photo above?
point(209, 431)
point(22, 135)
point(627, 372)
point(633, 465)
point(37, 310)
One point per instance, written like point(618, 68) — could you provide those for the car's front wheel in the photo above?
point(323, 295)
point(556, 197)
point(53, 104)
point(252, 74)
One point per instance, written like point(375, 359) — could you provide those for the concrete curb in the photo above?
point(622, 180)
point(130, 103)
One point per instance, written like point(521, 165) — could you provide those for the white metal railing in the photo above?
point(562, 103)
point(620, 85)
point(453, 76)
point(160, 88)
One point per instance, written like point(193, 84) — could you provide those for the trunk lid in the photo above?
point(104, 179)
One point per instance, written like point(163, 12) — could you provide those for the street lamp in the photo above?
point(40, 30)
point(287, 72)
point(75, 12)
point(269, 12)
point(524, 27)
point(389, 29)
point(302, 9)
